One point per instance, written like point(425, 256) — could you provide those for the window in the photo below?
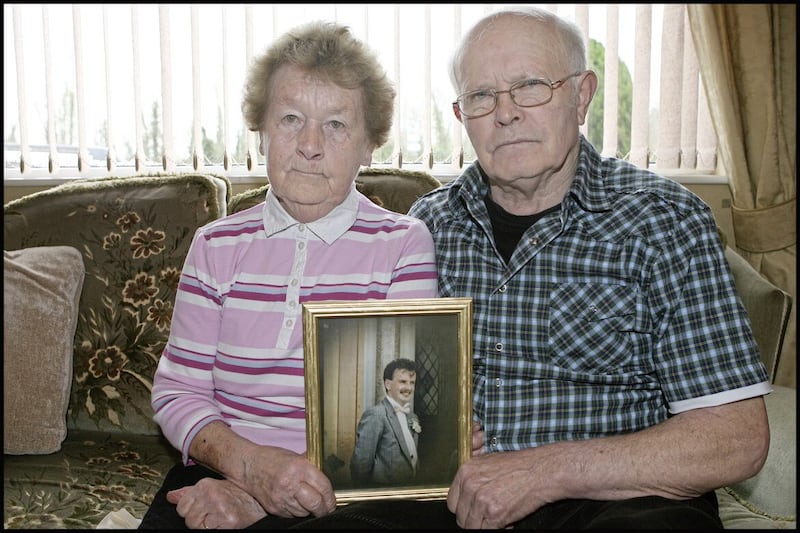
point(135, 88)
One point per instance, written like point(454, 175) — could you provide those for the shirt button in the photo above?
point(289, 323)
point(294, 282)
point(493, 442)
point(498, 382)
point(502, 289)
point(301, 227)
point(498, 347)
point(301, 245)
point(533, 241)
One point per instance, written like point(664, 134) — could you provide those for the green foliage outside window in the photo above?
point(597, 54)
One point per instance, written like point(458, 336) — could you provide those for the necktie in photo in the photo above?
point(402, 411)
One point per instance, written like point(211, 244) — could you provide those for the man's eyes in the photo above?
point(477, 95)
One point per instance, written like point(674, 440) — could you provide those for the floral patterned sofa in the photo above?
point(89, 284)
point(90, 274)
point(91, 269)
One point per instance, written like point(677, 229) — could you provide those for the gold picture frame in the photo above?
point(346, 347)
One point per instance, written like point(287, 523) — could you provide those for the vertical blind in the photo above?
point(137, 88)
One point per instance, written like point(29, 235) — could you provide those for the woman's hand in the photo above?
point(286, 484)
point(216, 504)
point(283, 482)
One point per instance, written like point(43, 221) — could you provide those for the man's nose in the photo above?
point(506, 109)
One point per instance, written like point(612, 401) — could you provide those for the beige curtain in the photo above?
point(747, 55)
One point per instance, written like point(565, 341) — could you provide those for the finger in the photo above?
point(464, 505)
point(184, 506)
point(287, 506)
point(319, 496)
point(295, 508)
point(174, 496)
point(453, 494)
point(318, 504)
point(473, 519)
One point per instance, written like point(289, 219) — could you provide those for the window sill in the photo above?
point(442, 172)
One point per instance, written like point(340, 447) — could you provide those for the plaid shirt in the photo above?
point(613, 312)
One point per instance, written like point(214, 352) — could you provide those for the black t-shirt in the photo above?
point(508, 228)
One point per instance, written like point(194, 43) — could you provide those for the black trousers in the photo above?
point(649, 512)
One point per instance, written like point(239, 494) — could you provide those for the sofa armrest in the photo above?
point(767, 305)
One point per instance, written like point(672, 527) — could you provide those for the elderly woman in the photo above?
point(229, 389)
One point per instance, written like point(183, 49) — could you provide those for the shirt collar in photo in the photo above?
point(328, 228)
point(394, 402)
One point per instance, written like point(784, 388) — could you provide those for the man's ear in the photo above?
point(587, 85)
point(457, 112)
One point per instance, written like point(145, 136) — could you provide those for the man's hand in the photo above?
point(494, 490)
point(477, 439)
point(216, 504)
point(728, 443)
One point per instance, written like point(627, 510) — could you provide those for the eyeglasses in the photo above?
point(525, 93)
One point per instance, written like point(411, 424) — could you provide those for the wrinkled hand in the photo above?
point(494, 490)
point(215, 504)
point(287, 484)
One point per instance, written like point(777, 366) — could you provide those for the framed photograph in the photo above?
point(389, 395)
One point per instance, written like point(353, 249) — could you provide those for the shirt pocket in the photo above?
point(593, 327)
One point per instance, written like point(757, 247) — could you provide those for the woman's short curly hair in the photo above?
point(329, 51)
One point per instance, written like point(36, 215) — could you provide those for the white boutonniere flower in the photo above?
point(414, 425)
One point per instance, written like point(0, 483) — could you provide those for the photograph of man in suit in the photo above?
point(385, 451)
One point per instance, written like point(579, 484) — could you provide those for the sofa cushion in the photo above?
point(95, 473)
point(134, 234)
point(393, 188)
point(247, 199)
point(41, 291)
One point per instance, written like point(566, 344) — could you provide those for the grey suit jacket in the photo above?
point(380, 456)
